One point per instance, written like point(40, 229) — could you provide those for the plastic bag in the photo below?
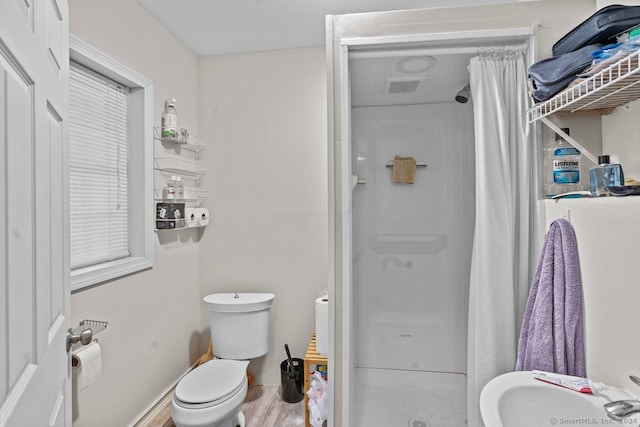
point(317, 400)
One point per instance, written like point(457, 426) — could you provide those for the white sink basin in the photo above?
point(516, 399)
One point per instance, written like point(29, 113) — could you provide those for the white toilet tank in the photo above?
point(239, 324)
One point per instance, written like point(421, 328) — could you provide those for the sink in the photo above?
point(516, 399)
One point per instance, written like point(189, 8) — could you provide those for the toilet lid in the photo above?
point(214, 381)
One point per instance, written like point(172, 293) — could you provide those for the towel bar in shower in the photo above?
point(389, 164)
point(357, 180)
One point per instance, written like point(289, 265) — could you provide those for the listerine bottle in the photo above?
point(562, 167)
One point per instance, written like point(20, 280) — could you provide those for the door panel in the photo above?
point(25, 11)
point(18, 131)
point(34, 284)
point(55, 31)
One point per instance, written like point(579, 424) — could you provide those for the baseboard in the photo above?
point(159, 405)
point(156, 409)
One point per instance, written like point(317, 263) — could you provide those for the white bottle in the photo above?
point(170, 119)
point(179, 185)
point(170, 192)
point(562, 167)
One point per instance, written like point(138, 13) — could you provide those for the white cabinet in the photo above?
point(178, 157)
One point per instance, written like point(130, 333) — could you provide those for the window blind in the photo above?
point(98, 168)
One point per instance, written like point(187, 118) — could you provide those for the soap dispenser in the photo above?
point(605, 175)
point(169, 119)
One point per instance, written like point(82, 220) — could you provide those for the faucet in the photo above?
point(621, 409)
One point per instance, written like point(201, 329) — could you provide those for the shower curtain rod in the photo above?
point(389, 53)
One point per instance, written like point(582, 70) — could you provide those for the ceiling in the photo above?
point(216, 27)
point(377, 77)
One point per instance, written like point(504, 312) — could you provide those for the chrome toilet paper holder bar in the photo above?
point(84, 332)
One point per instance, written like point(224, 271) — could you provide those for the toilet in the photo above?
point(211, 395)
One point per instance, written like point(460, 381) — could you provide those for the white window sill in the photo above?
point(89, 276)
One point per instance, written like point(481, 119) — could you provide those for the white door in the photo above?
point(34, 261)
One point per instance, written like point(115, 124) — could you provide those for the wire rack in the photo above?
point(95, 325)
point(616, 85)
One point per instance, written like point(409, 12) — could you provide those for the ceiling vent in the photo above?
point(403, 85)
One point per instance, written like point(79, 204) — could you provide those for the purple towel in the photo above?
point(552, 334)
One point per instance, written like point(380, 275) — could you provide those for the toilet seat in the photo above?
point(211, 384)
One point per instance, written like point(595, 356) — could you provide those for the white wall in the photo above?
point(607, 231)
point(621, 128)
point(154, 321)
point(610, 242)
point(607, 234)
point(265, 114)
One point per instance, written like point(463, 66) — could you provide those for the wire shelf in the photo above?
point(616, 85)
point(184, 140)
point(178, 166)
point(95, 325)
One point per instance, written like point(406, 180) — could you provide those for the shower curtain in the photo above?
point(500, 266)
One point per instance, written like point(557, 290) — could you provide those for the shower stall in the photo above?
point(411, 243)
point(401, 252)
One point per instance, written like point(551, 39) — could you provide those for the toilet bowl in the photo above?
point(211, 395)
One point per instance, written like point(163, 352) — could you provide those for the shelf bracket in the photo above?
point(570, 140)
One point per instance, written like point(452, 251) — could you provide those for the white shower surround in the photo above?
point(412, 255)
point(346, 414)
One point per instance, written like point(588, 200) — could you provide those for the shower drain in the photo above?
point(417, 422)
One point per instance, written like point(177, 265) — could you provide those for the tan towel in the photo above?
point(404, 169)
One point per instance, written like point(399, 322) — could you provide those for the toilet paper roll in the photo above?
point(203, 217)
point(87, 364)
point(191, 217)
point(322, 326)
point(197, 217)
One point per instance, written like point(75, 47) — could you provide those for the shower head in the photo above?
point(463, 95)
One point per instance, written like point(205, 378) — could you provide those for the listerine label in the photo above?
point(566, 165)
point(566, 171)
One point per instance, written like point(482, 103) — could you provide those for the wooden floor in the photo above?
point(263, 407)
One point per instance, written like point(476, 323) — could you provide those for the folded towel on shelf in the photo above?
point(552, 334)
point(404, 170)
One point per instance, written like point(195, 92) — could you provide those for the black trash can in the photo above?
point(292, 380)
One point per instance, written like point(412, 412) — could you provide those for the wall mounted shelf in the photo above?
point(615, 85)
point(611, 87)
point(176, 162)
point(184, 140)
point(196, 197)
point(176, 166)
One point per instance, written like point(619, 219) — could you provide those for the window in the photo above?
point(110, 168)
point(97, 168)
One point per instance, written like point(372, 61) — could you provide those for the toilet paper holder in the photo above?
point(84, 333)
